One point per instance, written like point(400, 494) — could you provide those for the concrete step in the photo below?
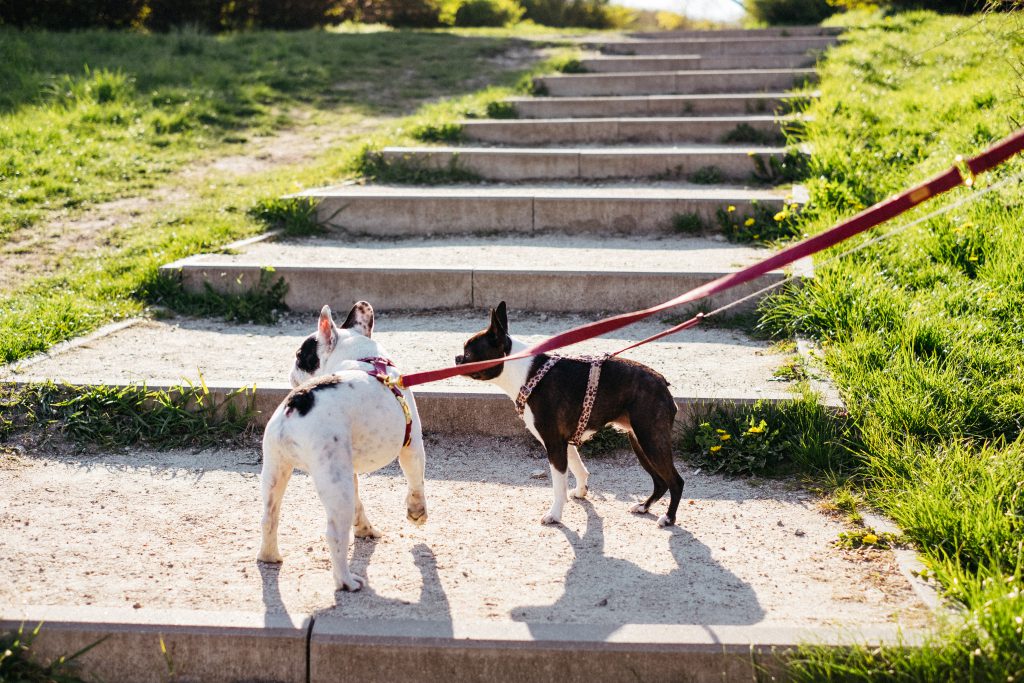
point(650, 105)
point(777, 32)
point(586, 163)
point(617, 64)
point(705, 129)
point(674, 82)
point(579, 274)
point(717, 46)
point(403, 211)
point(704, 365)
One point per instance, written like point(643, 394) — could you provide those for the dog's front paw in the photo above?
point(550, 518)
point(665, 521)
point(580, 491)
point(366, 531)
point(353, 583)
point(270, 557)
point(638, 509)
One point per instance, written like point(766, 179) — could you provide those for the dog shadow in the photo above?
point(606, 592)
point(432, 605)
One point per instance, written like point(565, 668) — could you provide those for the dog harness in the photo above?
point(588, 397)
point(380, 371)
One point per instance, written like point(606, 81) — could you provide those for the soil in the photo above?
point(180, 530)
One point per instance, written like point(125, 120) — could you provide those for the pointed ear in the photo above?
point(499, 320)
point(360, 319)
point(325, 326)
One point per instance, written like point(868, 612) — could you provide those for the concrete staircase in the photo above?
point(576, 213)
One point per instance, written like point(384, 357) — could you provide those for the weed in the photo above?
point(262, 303)
point(18, 666)
point(688, 223)
point(374, 166)
point(501, 110)
point(771, 169)
point(607, 440)
point(762, 224)
point(867, 538)
point(294, 216)
point(707, 175)
point(744, 132)
point(570, 65)
point(791, 370)
point(438, 132)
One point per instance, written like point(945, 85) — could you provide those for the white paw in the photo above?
point(580, 491)
point(665, 521)
point(353, 583)
point(366, 532)
point(638, 509)
point(270, 557)
point(550, 518)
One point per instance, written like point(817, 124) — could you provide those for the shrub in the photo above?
point(584, 13)
point(63, 15)
point(790, 11)
point(412, 13)
point(488, 13)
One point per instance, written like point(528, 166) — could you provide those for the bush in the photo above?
point(64, 15)
point(790, 11)
point(488, 13)
point(583, 13)
point(412, 13)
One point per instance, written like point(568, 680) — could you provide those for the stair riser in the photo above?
point(580, 292)
point(749, 33)
point(660, 106)
point(419, 216)
point(669, 83)
point(611, 131)
point(577, 166)
point(683, 63)
point(796, 45)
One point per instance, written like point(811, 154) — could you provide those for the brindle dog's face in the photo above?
point(489, 344)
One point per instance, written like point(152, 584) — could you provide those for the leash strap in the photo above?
point(380, 372)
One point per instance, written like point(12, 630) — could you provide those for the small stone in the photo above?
point(780, 523)
point(800, 532)
point(137, 605)
point(538, 474)
point(603, 602)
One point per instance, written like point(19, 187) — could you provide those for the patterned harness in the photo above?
point(380, 371)
point(588, 398)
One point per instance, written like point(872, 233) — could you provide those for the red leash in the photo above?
point(869, 218)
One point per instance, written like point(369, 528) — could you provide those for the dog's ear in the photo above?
point(325, 327)
point(360, 319)
point(499, 321)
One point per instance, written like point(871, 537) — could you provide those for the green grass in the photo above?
point(18, 664)
point(924, 333)
point(346, 81)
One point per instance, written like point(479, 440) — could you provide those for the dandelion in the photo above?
point(870, 539)
point(725, 437)
point(756, 429)
point(715, 449)
point(748, 222)
point(731, 208)
point(721, 431)
point(781, 216)
point(757, 237)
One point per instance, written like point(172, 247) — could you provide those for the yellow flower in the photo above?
point(781, 216)
point(721, 431)
point(870, 539)
point(715, 449)
point(731, 209)
point(755, 430)
point(756, 237)
point(725, 437)
point(748, 222)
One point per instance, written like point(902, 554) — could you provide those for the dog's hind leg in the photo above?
point(659, 484)
point(361, 525)
point(335, 483)
point(412, 459)
point(579, 471)
point(277, 470)
point(657, 444)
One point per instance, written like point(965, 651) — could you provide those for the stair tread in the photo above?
point(563, 191)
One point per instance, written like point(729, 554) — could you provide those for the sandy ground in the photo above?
point(180, 530)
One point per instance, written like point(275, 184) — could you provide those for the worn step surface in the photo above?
point(759, 128)
point(652, 105)
point(550, 273)
point(704, 365)
point(674, 82)
point(651, 208)
point(696, 62)
point(718, 34)
point(731, 162)
point(718, 46)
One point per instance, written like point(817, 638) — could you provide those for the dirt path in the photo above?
point(179, 529)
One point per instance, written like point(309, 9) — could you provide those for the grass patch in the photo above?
point(408, 170)
point(293, 216)
point(707, 175)
point(111, 417)
point(688, 223)
point(924, 333)
point(606, 441)
point(17, 664)
point(761, 224)
point(744, 132)
point(262, 303)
